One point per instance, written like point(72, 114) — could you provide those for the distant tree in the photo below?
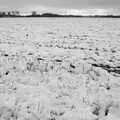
point(51, 15)
point(2, 14)
point(17, 13)
point(9, 13)
point(13, 13)
point(34, 13)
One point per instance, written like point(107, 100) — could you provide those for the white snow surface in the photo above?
point(59, 69)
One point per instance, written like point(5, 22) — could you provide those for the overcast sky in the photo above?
point(62, 3)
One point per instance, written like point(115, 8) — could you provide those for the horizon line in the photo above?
point(49, 14)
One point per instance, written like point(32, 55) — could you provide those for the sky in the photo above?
point(62, 3)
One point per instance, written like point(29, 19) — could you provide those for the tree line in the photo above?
point(35, 14)
point(32, 14)
point(9, 13)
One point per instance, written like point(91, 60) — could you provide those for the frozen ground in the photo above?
point(60, 69)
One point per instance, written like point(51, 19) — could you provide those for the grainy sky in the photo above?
point(62, 3)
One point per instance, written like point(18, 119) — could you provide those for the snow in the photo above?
point(59, 69)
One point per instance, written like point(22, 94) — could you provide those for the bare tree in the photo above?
point(2, 14)
point(9, 13)
point(34, 13)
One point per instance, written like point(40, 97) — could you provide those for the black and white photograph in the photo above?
point(59, 59)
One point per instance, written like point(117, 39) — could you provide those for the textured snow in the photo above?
point(59, 69)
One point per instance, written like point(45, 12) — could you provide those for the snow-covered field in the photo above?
point(59, 69)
